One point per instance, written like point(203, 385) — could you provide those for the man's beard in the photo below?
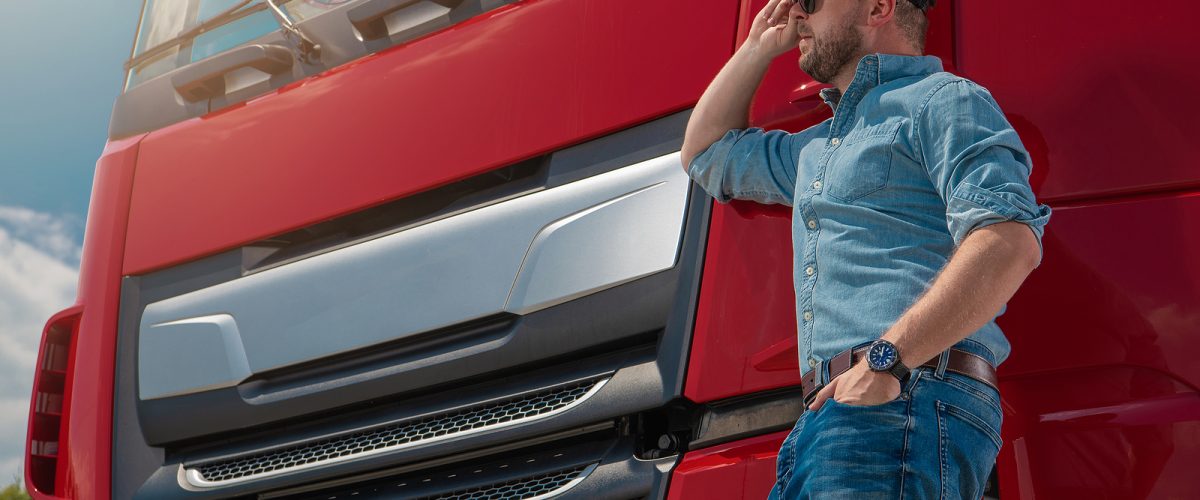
point(833, 52)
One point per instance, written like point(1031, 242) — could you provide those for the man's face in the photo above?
point(828, 38)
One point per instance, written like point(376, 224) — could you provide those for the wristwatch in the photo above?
point(883, 356)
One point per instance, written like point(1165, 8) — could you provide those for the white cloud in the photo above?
point(39, 260)
point(50, 234)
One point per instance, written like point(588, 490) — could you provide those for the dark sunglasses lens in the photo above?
point(808, 6)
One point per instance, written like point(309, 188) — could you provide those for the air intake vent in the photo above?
point(483, 417)
point(541, 486)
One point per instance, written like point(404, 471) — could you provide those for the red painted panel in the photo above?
point(741, 469)
point(520, 81)
point(745, 332)
point(1101, 389)
point(1119, 284)
point(1108, 432)
point(1101, 102)
point(85, 446)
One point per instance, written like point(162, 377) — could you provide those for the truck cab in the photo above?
point(446, 249)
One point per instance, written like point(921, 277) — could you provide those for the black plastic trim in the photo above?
point(737, 418)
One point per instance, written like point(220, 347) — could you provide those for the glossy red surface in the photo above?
point(1101, 389)
point(741, 469)
point(1099, 101)
point(743, 340)
point(508, 85)
point(85, 446)
point(1102, 432)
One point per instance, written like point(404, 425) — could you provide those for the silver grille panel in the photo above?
point(528, 488)
point(518, 256)
point(391, 437)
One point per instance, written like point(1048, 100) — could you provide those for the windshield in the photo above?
point(165, 20)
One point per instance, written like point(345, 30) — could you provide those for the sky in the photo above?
point(60, 70)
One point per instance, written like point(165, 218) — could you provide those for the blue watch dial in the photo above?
point(882, 356)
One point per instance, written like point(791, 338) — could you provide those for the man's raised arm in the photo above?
point(725, 105)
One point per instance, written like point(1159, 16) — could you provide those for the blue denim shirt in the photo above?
point(883, 192)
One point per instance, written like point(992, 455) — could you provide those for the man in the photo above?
point(913, 223)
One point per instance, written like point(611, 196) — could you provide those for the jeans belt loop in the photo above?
point(943, 361)
point(822, 369)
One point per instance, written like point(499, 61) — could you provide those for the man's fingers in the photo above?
point(787, 32)
point(780, 13)
point(823, 394)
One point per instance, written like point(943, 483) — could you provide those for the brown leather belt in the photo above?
point(960, 362)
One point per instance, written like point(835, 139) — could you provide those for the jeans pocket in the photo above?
point(985, 394)
point(898, 399)
point(906, 389)
point(786, 457)
point(968, 444)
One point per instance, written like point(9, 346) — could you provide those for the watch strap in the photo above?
point(899, 371)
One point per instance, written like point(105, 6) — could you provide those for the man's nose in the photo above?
point(795, 10)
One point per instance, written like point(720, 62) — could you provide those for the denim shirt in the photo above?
point(883, 192)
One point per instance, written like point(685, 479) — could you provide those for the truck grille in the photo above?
point(511, 411)
point(529, 488)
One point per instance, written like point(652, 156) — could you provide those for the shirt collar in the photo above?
point(876, 69)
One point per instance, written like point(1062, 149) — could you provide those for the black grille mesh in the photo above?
point(527, 487)
point(397, 434)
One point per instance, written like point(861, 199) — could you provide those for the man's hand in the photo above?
point(859, 386)
point(725, 105)
point(773, 31)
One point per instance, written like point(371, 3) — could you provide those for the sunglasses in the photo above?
point(810, 6)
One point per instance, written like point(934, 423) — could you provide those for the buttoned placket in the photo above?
point(841, 122)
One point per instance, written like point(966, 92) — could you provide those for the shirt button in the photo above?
point(835, 141)
point(816, 184)
point(810, 271)
point(807, 315)
point(812, 223)
point(812, 363)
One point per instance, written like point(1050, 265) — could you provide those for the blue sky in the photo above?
point(60, 71)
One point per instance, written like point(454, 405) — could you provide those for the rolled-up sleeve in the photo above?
point(977, 162)
point(748, 164)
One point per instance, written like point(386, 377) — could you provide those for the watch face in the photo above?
point(881, 356)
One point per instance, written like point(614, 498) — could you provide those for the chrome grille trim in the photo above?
point(537, 487)
point(394, 436)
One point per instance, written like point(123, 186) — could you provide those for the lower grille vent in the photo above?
point(541, 486)
point(483, 417)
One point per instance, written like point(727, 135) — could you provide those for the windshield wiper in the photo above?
point(233, 13)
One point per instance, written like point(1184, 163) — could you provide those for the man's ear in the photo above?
point(881, 12)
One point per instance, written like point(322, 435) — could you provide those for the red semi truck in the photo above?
point(445, 249)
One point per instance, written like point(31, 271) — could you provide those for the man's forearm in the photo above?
point(985, 272)
point(725, 105)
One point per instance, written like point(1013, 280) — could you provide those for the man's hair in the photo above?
point(913, 23)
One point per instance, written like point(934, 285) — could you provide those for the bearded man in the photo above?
point(913, 224)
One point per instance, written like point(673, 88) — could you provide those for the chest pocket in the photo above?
point(862, 164)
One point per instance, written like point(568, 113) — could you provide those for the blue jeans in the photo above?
point(938, 439)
